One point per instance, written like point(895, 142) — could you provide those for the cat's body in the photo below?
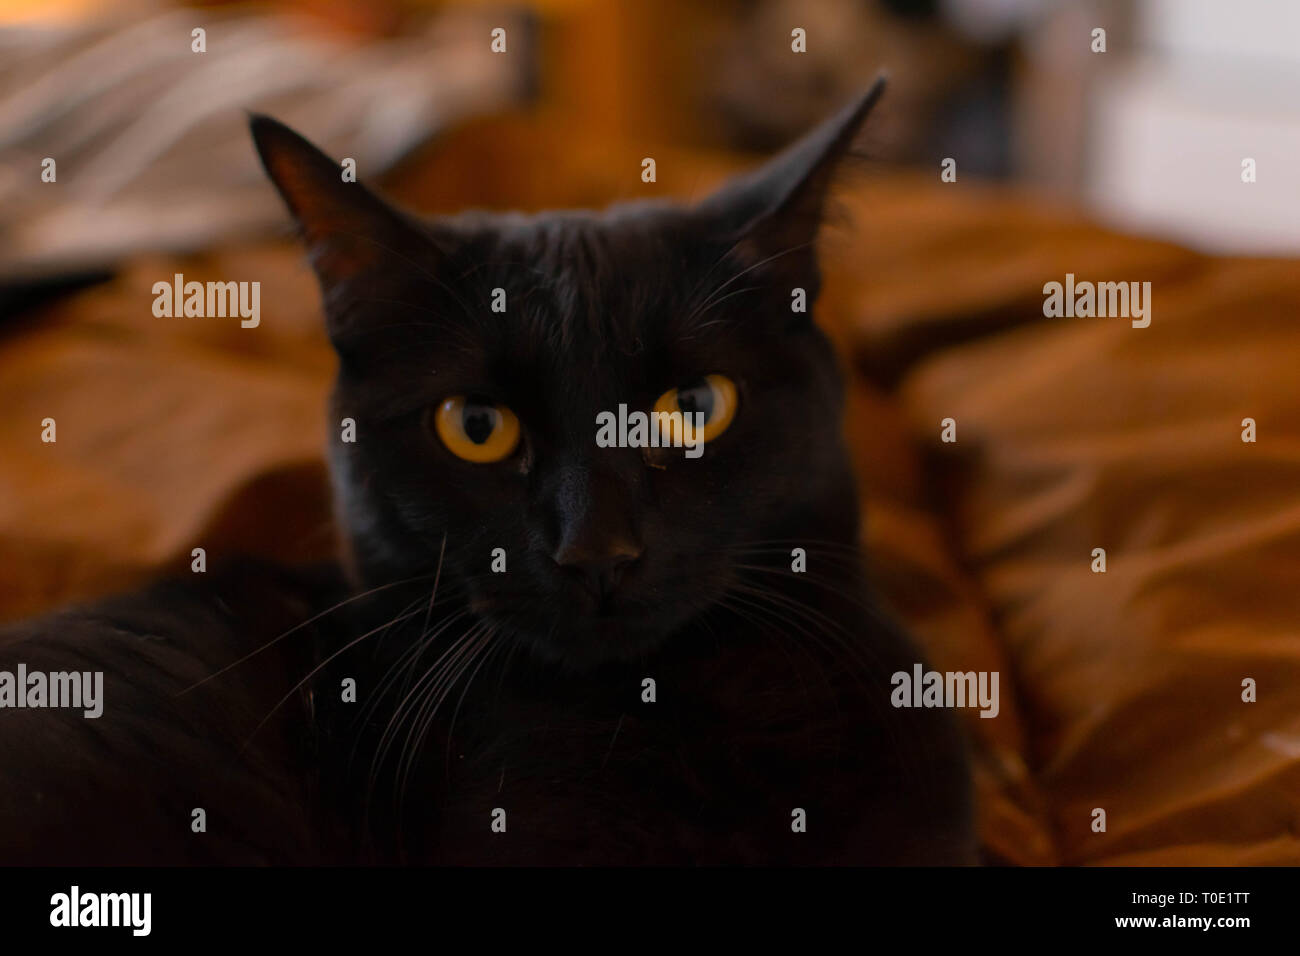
point(750, 721)
point(753, 714)
point(564, 652)
point(121, 788)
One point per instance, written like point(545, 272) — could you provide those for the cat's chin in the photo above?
point(589, 641)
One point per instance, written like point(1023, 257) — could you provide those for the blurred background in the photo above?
point(1149, 135)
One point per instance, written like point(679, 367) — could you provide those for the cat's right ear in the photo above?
point(771, 216)
point(352, 236)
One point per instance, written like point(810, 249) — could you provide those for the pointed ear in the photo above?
point(353, 238)
point(775, 212)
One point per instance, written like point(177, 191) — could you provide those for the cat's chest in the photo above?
point(681, 770)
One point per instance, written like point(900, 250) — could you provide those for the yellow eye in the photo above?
point(476, 430)
point(713, 396)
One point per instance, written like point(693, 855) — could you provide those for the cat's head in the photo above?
point(488, 360)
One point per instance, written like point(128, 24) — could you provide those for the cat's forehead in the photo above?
point(612, 248)
point(610, 279)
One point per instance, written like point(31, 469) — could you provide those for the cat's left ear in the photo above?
point(772, 215)
point(350, 233)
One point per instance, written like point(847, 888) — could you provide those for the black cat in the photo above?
point(541, 648)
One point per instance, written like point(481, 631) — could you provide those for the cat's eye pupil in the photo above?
point(696, 397)
point(478, 421)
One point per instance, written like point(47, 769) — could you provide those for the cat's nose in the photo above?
point(595, 536)
point(599, 565)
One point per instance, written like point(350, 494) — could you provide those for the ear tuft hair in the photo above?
point(353, 238)
point(774, 213)
point(344, 226)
